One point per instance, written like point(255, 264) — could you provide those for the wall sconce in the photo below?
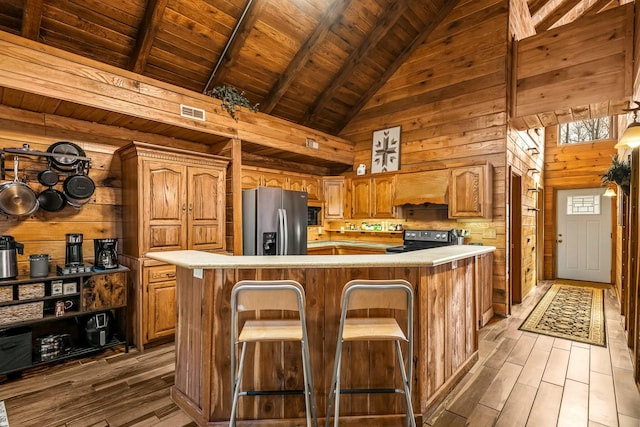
point(610, 192)
point(631, 136)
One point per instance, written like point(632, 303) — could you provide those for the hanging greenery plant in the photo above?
point(232, 99)
point(619, 173)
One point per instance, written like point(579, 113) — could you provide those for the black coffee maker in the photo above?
point(73, 254)
point(106, 253)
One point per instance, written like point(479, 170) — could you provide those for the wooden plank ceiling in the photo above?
point(312, 62)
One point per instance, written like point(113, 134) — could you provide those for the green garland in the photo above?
point(231, 99)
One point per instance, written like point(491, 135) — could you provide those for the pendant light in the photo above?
point(610, 192)
point(631, 136)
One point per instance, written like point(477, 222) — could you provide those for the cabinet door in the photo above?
point(295, 183)
point(165, 205)
point(469, 192)
point(382, 193)
point(251, 178)
point(277, 180)
point(484, 288)
point(361, 198)
point(333, 198)
point(161, 310)
point(313, 188)
point(205, 208)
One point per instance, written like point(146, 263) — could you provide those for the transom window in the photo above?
point(585, 131)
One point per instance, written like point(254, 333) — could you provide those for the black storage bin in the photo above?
point(15, 350)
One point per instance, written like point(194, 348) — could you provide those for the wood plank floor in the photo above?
point(521, 379)
point(526, 379)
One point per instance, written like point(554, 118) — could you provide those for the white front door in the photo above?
point(584, 235)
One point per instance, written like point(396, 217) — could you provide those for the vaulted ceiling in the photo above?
point(313, 62)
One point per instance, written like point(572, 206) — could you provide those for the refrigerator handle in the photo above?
point(280, 232)
point(285, 228)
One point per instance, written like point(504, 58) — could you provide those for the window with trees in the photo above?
point(585, 130)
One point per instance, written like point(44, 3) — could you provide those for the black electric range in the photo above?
point(422, 239)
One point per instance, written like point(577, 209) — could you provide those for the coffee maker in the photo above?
point(8, 259)
point(73, 262)
point(73, 253)
point(106, 253)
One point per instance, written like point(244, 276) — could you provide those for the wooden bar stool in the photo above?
point(255, 295)
point(375, 294)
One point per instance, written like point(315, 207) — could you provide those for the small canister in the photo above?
point(39, 265)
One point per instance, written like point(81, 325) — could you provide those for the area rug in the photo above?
point(572, 312)
point(4, 421)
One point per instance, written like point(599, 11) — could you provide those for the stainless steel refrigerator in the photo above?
point(274, 221)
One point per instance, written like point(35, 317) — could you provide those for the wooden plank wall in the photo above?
point(567, 167)
point(101, 217)
point(449, 98)
point(525, 156)
point(553, 72)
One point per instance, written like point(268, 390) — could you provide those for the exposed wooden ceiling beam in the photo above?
point(233, 50)
point(32, 18)
point(596, 7)
point(556, 14)
point(536, 5)
point(148, 30)
point(334, 12)
point(408, 50)
point(385, 24)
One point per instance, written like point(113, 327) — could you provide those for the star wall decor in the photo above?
point(385, 152)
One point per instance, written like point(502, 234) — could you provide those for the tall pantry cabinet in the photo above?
point(172, 199)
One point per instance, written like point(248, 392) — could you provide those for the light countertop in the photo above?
point(425, 257)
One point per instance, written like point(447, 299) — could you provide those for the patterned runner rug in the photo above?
point(571, 312)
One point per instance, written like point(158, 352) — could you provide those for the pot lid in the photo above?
point(65, 163)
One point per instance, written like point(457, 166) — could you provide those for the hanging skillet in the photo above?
point(78, 188)
point(65, 159)
point(17, 198)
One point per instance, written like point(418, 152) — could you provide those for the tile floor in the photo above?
point(526, 379)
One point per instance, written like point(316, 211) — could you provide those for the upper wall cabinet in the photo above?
point(372, 197)
point(253, 177)
point(470, 194)
point(334, 194)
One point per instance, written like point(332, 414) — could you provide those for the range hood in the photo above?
point(418, 188)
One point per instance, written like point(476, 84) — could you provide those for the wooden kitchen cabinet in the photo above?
point(484, 288)
point(309, 183)
point(334, 196)
point(372, 197)
point(172, 200)
point(253, 177)
point(470, 193)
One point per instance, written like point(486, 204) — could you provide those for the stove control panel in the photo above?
point(427, 236)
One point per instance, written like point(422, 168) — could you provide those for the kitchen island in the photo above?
point(445, 281)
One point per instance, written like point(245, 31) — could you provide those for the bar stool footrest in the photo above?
point(371, 390)
point(270, 392)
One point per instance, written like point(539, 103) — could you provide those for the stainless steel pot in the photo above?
point(17, 198)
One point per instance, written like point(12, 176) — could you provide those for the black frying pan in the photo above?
point(48, 177)
point(52, 200)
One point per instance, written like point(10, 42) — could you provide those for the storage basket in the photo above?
point(6, 293)
point(31, 291)
point(21, 312)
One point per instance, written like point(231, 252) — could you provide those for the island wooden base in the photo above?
point(445, 346)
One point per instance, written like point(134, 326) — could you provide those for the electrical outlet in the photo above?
point(312, 143)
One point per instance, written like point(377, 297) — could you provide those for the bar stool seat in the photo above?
point(283, 295)
point(375, 294)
